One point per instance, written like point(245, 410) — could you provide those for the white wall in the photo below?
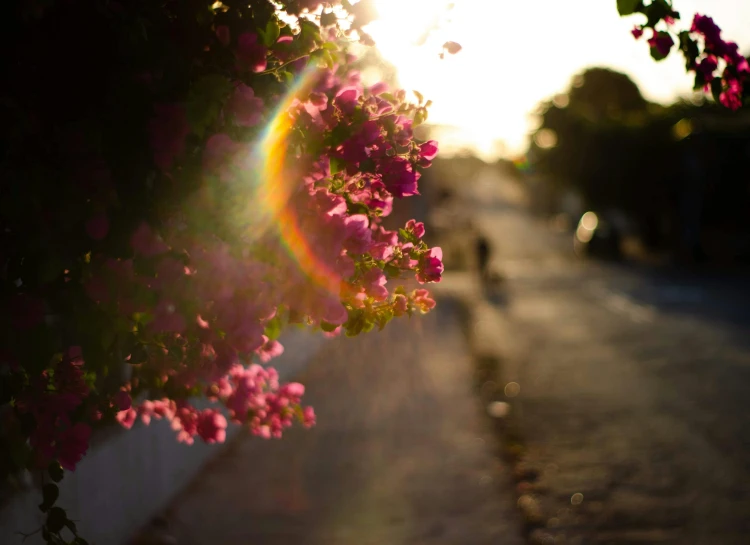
point(127, 477)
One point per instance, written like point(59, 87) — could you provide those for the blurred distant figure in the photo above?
point(444, 196)
point(483, 256)
point(489, 278)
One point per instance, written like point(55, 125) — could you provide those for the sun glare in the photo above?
point(517, 53)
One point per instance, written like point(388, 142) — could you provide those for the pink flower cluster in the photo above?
point(199, 307)
point(715, 50)
point(52, 400)
point(210, 304)
point(252, 397)
point(736, 69)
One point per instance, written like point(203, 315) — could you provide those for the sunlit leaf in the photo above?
point(271, 33)
point(328, 328)
point(628, 7)
point(273, 328)
point(328, 19)
point(337, 165)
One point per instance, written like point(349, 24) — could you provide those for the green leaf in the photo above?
point(383, 319)
point(50, 493)
point(656, 53)
point(419, 96)
point(628, 7)
point(355, 323)
point(700, 81)
point(337, 165)
point(656, 11)
point(328, 19)
point(716, 89)
point(50, 269)
point(205, 100)
point(689, 48)
point(273, 328)
point(71, 526)
point(323, 58)
point(56, 519)
point(271, 33)
point(325, 326)
point(309, 31)
point(391, 271)
point(288, 77)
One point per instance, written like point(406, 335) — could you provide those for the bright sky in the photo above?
point(519, 52)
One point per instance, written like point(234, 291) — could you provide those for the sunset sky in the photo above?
point(516, 53)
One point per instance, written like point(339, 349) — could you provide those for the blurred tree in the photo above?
point(601, 93)
point(607, 144)
point(677, 172)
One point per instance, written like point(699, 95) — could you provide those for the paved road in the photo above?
point(400, 455)
point(633, 389)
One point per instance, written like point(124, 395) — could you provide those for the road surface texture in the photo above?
point(629, 387)
point(401, 455)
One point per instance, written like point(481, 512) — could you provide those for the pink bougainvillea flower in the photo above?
point(422, 300)
point(637, 32)
point(707, 67)
point(212, 426)
point(26, 311)
point(400, 305)
point(270, 350)
point(452, 47)
point(661, 42)
point(346, 99)
point(705, 25)
point(245, 107)
point(431, 266)
point(308, 417)
point(334, 312)
point(223, 35)
point(731, 97)
point(374, 283)
point(428, 150)
point(146, 243)
point(251, 54)
point(400, 179)
point(379, 88)
point(122, 400)
point(73, 444)
point(167, 318)
point(98, 226)
point(416, 228)
point(358, 234)
point(167, 133)
point(319, 100)
point(219, 153)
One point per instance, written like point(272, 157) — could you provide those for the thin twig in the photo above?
point(26, 536)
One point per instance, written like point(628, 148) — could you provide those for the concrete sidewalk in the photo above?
point(400, 455)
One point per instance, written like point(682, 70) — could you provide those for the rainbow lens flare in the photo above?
point(276, 183)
